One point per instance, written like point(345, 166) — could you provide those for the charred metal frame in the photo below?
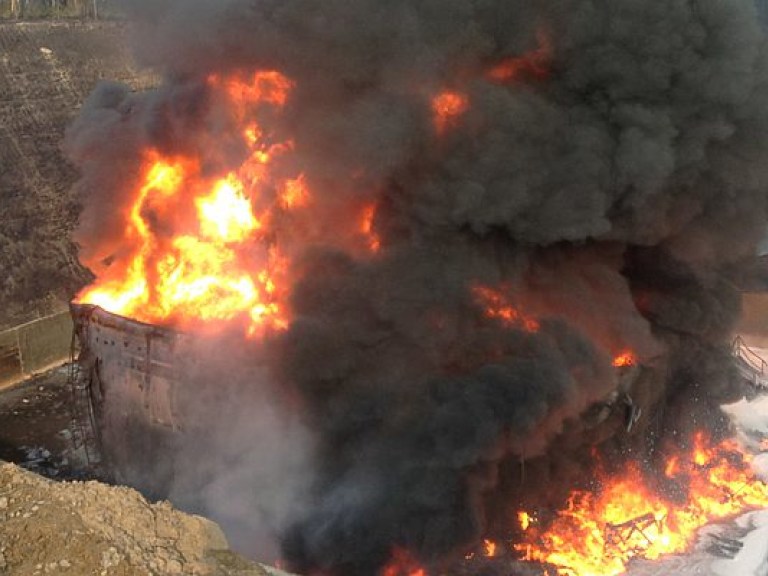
point(127, 370)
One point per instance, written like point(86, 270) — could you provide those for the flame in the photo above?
point(366, 227)
point(672, 468)
point(226, 214)
point(447, 107)
point(534, 64)
point(294, 194)
point(496, 306)
point(262, 86)
point(402, 564)
point(196, 248)
point(624, 360)
point(524, 519)
point(490, 548)
point(599, 532)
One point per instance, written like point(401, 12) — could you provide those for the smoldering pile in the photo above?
point(611, 196)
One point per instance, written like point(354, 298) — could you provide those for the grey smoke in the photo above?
point(614, 199)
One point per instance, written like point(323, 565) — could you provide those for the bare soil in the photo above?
point(36, 426)
point(88, 528)
point(47, 69)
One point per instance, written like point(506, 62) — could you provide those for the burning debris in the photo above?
point(626, 517)
point(461, 259)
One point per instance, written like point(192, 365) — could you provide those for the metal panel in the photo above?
point(10, 358)
point(45, 342)
point(34, 347)
point(135, 363)
point(129, 369)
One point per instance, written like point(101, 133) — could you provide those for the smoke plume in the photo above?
point(607, 187)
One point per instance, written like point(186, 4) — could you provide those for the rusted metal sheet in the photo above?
point(130, 360)
point(130, 369)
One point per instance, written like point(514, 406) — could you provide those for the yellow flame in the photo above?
point(226, 215)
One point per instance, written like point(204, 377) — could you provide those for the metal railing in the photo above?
point(757, 367)
point(34, 347)
point(54, 9)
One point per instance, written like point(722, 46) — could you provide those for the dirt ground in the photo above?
point(88, 528)
point(36, 419)
point(47, 70)
point(37, 426)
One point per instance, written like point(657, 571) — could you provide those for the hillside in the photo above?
point(47, 69)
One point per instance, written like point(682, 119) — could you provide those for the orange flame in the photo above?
point(624, 360)
point(496, 306)
point(294, 194)
point(263, 86)
point(447, 107)
point(366, 227)
point(225, 214)
point(490, 548)
point(533, 64)
point(402, 564)
point(599, 532)
point(196, 250)
point(524, 519)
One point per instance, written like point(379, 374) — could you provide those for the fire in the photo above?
point(447, 107)
point(226, 213)
point(196, 247)
point(524, 519)
point(267, 86)
point(402, 564)
point(624, 360)
point(599, 532)
point(366, 227)
point(534, 64)
point(295, 194)
point(490, 548)
point(496, 306)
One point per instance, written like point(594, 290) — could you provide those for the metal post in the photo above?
point(21, 354)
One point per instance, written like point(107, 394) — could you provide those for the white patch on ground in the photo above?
point(750, 418)
point(752, 560)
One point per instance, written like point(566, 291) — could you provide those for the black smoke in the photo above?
point(612, 199)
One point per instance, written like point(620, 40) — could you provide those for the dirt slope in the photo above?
point(88, 528)
point(47, 69)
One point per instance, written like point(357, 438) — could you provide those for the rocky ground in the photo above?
point(88, 528)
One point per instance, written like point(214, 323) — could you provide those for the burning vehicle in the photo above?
point(390, 288)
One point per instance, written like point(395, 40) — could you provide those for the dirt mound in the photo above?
point(88, 528)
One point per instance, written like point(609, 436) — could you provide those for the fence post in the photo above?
point(22, 368)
